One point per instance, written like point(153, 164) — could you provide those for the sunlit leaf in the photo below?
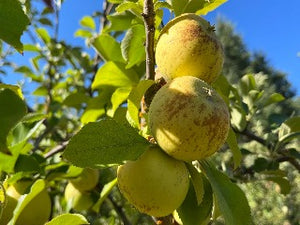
point(108, 48)
point(105, 143)
point(132, 46)
point(134, 101)
point(106, 190)
point(114, 74)
point(88, 21)
point(68, 219)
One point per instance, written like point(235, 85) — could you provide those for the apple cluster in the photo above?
point(187, 117)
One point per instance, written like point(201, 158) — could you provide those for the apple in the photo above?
point(87, 180)
point(79, 201)
point(188, 119)
point(156, 184)
point(187, 45)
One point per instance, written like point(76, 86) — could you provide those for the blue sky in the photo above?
point(269, 26)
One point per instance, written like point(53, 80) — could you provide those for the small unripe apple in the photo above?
point(79, 201)
point(87, 180)
point(156, 184)
point(188, 45)
point(188, 119)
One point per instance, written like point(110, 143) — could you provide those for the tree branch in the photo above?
point(148, 15)
point(120, 211)
point(56, 149)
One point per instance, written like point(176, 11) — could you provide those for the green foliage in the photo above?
point(104, 143)
point(89, 112)
point(68, 219)
point(13, 23)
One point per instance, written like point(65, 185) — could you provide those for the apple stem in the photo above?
point(149, 21)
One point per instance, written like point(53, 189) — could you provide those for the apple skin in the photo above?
point(87, 180)
point(156, 184)
point(188, 119)
point(80, 201)
point(187, 45)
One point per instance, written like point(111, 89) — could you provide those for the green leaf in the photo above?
point(13, 23)
point(200, 7)
point(132, 46)
point(76, 100)
point(68, 219)
point(105, 143)
point(193, 214)
point(37, 190)
point(120, 21)
point(14, 88)
point(210, 6)
point(88, 21)
point(131, 6)
point(43, 34)
point(230, 198)
point(161, 4)
point(96, 106)
point(197, 181)
point(284, 184)
point(274, 98)
point(114, 74)
point(238, 117)
point(107, 188)
point(7, 162)
point(247, 83)
point(12, 110)
point(45, 21)
point(119, 97)
point(108, 48)
point(26, 163)
point(233, 145)
point(83, 33)
point(178, 6)
point(134, 101)
point(290, 126)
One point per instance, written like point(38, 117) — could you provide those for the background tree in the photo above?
point(96, 92)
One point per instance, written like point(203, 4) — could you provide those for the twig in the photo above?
point(283, 158)
point(56, 149)
point(148, 15)
point(120, 211)
point(287, 158)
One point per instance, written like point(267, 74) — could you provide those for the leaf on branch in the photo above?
point(13, 23)
point(88, 21)
point(107, 188)
point(274, 98)
point(108, 48)
point(233, 145)
point(230, 198)
point(68, 219)
point(134, 101)
point(132, 45)
point(114, 74)
point(12, 111)
point(105, 143)
point(190, 212)
point(210, 6)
